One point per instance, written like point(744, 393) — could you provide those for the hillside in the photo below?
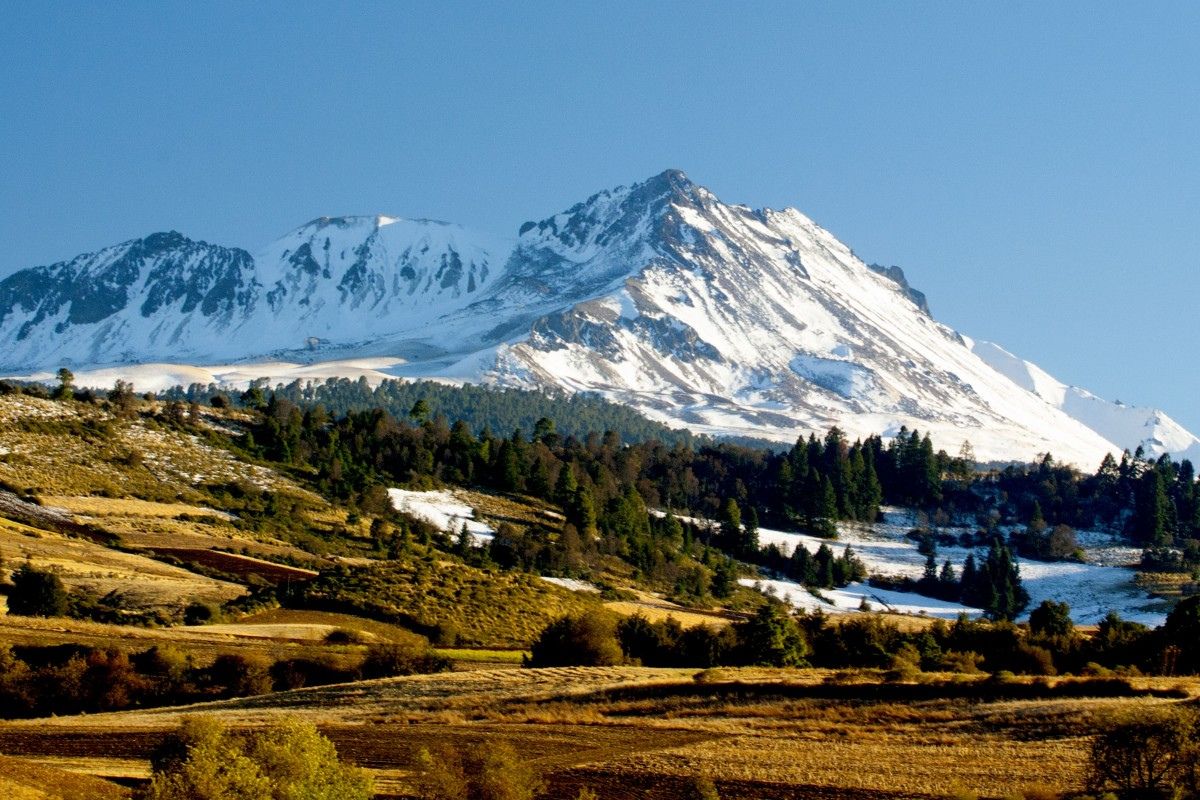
point(252, 558)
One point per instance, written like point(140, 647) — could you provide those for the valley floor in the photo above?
point(631, 732)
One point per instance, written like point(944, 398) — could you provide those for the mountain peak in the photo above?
point(671, 180)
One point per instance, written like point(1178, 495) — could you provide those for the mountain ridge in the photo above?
point(718, 317)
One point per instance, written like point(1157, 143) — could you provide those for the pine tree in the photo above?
point(800, 567)
point(827, 510)
point(824, 567)
point(1150, 510)
point(565, 486)
point(872, 493)
point(731, 527)
point(1000, 584)
point(750, 545)
point(970, 594)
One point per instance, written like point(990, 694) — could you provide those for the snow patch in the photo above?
point(443, 510)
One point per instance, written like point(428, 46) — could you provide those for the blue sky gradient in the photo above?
point(1034, 169)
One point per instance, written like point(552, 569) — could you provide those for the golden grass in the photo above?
point(657, 610)
point(481, 655)
point(142, 581)
point(23, 779)
point(203, 642)
point(127, 507)
point(484, 607)
point(513, 509)
point(768, 733)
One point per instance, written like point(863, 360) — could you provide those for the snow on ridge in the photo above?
point(1126, 427)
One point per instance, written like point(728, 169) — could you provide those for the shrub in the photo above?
point(203, 762)
point(344, 636)
point(772, 638)
point(442, 775)
point(499, 774)
point(37, 593)
point(1147, 755)
point(503, 775)
point(703, 788)
point(588, 639)
point(389, 659)
point(241, 676)
point(303, 765)
point(288, 761)
point(198, 613)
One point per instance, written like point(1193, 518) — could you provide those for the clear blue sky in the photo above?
point(1034, 167)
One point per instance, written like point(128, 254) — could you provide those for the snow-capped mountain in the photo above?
point(342, 280)
point(1130, 426)
point(720, 317)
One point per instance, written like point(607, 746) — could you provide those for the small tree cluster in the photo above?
point(288, 761)
point(1148, 756)
point(496, 773)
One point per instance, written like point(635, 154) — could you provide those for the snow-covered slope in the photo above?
point(719, 317)
point(333, 283)
point(110, 305)
point(1128, 426)
point(728, 319)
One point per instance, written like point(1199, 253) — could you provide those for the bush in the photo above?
point(288, 761)
point(505, 776)
point(241, 676)
point(588, 639)
point(703, 788)
point(389, 659)
point(1146, 756)
point(772, 638)
point(198, 613)
point(37, 593)
point(500, 774)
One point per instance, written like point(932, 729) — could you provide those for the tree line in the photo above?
point(773, 636)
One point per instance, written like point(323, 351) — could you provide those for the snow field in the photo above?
point(444, 511)
point(1092, 589)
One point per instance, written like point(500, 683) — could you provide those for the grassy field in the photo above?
point(635, 732)
point(22, 779)
point(98, 570)
point(455, 603)
point(202, 642)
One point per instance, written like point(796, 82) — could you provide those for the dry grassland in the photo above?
point(51, 448)
point(142, 581)
point(656, 609)
point(637, 732)
point(312, 625)
point(21, 779)
point(202, 642)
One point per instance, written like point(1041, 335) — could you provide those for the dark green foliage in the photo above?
point(388, 659)
point(994, 586)
point(481, 408)
point(66, 385)
point(588, 639)
point(822, 570)
point(1051, 620)
point(771, 638)
point(1182, 634)
point(1149, 524)
point(37, 593)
